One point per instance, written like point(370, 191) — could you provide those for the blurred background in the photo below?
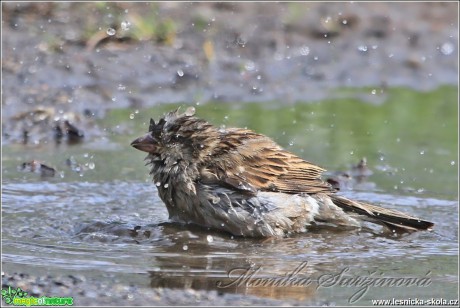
point(106, 55)
point(368, 91)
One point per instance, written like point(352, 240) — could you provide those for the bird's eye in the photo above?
point(155, 137)
point(175, 138)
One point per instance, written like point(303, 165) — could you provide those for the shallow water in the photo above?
point(107, 222)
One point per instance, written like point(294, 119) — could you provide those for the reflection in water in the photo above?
point(108, 234)
point(109, 221)
point(250, 279)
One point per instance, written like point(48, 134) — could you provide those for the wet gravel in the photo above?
point(86, 292)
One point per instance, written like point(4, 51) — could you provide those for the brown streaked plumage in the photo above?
point(244, 183)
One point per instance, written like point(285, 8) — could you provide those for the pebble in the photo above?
point(89, 291)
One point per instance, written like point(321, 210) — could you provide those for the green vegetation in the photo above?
point(139, 24)
point(411, 138)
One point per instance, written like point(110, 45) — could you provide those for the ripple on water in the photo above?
point(85, 226)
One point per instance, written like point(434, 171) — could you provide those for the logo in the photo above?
point(18, 297)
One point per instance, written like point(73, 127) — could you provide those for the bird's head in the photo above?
point(178, 137)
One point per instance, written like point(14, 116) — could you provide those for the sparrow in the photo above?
point(242, 182)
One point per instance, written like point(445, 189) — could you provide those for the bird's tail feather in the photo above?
point(394, 220)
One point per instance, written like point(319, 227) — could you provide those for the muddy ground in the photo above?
point(82, 59)
point(68, 63)
point(94, 293)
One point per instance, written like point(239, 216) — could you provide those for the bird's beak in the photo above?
point(145, 143)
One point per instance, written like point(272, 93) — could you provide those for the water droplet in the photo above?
point(190, 111)
point(209, 238)
point(452, 163)
point(131, 116)
point(91, 165)
point(185, 247)
point(125, 25)
point(258, 77)
point(344, 21)
point(180, 72)
point(362, 48)
point(250, 66)
point(374, 91)
point(111, 31)
point(447, 48)
point(304, 50)
point(422, 152)
point(215, 200)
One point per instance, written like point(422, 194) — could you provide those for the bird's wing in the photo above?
point(250, 162)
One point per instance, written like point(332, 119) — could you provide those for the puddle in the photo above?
point(107, 222)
